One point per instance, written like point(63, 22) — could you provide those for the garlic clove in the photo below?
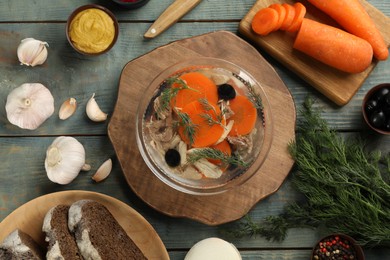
point(32, 52)
point(65, 157)
point(93, 110)
point(103, 171)
point(67, 108)
point(29, 105)
point(86, 167)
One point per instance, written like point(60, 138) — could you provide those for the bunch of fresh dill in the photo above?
point(346, 189)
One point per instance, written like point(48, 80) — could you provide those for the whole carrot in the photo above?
point(352, 16)
point(333, 46)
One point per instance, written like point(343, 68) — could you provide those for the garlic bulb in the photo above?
point(32, 52)
point(65, 158)
point(67, 108)
point(29, 105)
point(93, 110)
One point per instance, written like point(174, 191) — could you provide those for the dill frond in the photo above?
point(171, 92)
point(189, 126)
point(254, 97)
point(344, 186)
point(209, 119)
point(210, 153)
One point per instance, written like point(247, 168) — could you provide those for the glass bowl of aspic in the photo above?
point(204, 126)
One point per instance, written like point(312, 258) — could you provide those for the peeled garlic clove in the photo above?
point(103, 171)
point(67, 108)
point(65, 157)
point(32, 52)
point(29, 105)
point(94, 112)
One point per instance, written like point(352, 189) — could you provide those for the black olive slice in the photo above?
point(172, 157)
point(226, 92)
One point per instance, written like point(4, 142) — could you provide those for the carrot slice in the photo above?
point(206, 134)
point(245, 115)
point(353, 17)
point(224, 147)
point(281, 14)
point(265, 21)
point(290, 14)
point(201, 87)
point(300, 11)
point(333, 46)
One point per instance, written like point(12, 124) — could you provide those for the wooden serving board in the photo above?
point(215, 209)
point(338, 86)
point(29, 218)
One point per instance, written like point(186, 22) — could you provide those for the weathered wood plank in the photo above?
point(269, 255)
point(68, 74)
point(46, 10)
point(23, 171)
point(377, 254)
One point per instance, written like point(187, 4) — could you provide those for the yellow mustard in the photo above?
point(92, 30)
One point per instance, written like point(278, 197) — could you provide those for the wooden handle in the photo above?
point(170, 16)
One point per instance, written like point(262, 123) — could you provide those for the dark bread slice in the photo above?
point(98, 234)
point(19, 245)
point(62, 244)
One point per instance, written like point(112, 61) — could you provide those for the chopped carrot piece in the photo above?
point(245, 115)
point(281, 14)
point(300, 11)
point(224, 147)
point(352, 16)
point(333, 46)
point(290, 14)
point(206, 133)
point(265, 21)
point(201, 87)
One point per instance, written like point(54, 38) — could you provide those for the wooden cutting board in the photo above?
point(215, 209)
point(338, 86)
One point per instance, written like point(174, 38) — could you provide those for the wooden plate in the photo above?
point(29, 218)
point(338, 86)
point(230, 205)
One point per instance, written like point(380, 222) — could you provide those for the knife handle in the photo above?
point(170, 16)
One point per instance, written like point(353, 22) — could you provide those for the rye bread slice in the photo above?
point(20, 245)
point(98, 234)
point(62, 244)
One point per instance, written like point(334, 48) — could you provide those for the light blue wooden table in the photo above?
point(67, 74)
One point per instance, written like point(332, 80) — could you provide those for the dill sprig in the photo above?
point(171, 92)
point(189, 126)
point(209, 119)
point(346, 189)
point(254, 97)
point(210, 153)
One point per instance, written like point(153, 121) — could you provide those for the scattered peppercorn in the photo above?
point(226, 92)
point(172, 157)
point(334, 247)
